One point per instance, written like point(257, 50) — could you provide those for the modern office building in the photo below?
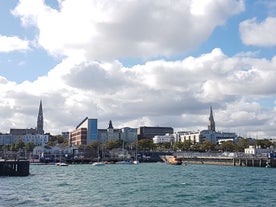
point(85, 133)
point(149, 132)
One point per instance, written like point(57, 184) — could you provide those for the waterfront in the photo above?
point(146, 184)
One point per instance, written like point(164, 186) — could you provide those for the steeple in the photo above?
point(110, 125)
point(212, 124)
point(39, 127)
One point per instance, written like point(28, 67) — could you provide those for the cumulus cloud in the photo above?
point(259, 33)
point(91, 37)
point(13, 43)
point(103, 29)
point(157, 93)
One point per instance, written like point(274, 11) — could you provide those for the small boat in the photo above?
point(172, 160)
point(135, 162)
point(61, 164)
point(124, 162)
point(98, 163)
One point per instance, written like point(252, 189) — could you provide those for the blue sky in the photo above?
point(139, 63)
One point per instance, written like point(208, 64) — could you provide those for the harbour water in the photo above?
point(146, 184)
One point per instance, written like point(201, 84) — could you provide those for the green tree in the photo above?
point(113, 144)
point(242, 144)
point(146, 144)
point(163, 146)
point(179, 146)
point(207, 146)
point(57, 139)
point(30, 146)
point(264, 143)
point(227, 146)
point(19, 145)
point(187, 144)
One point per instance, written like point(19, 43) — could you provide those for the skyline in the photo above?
point(139, 63)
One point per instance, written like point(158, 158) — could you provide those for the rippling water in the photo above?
point(155, 184)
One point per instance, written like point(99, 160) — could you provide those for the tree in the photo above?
point(146, 144)
point(179, 146)
point(113, 144)
point(227, 146)
point(57, 139)
point(19, 145)
point(264, 143)
point(207, 146)
point(30, 146)
point(187, 144)
point(242, 144)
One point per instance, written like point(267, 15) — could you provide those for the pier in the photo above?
point(228, 161)
point(14, 168)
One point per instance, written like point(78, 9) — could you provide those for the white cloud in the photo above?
point(90, 81)
point(164, 93)
point(103, 29)
point(9, 44)
point(259, 33)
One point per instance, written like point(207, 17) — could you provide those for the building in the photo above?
point(149, 132)
point(167, 138)
point(212, 124)
point(253, 150)
point(37, 139)
point(39, 125)
point(65, 135)
point(210, 134)
point(33, 131)
point(33, 135)
point(126, 134)
point(85, 133)
point(193, 137)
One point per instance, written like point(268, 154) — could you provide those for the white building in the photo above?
point(55, 150)
point(167, 138)
point(252, 150)
point(37, 139)
point(204, 135)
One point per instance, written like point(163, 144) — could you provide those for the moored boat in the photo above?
point(62, 164)
point(98, 163)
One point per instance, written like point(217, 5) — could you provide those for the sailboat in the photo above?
point(60, 163)
point(136, 161)
point(124, 162)
point(98, 163)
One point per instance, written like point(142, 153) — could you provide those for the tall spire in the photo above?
point(110, 125)
point(39, 126)
point(212, 124)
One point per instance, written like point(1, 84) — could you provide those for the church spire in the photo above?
point(39, 127)
point(110, 126)
point(212, 124)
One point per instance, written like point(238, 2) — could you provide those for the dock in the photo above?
point(14, 168)
point(227, 161)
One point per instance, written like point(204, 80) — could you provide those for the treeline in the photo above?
point(147, 145)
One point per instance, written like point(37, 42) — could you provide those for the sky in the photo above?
point(139, 63)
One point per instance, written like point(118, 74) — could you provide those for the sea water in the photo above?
point(145, 184)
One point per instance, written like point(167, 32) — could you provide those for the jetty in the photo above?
point(14, 168)
point(221, 160)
